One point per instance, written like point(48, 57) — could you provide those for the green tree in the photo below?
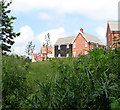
point(30, 48)
point(7, 32)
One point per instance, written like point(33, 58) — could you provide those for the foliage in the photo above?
point(87, 82)
point(30, 48)
point(7, 33)
point(14, 83)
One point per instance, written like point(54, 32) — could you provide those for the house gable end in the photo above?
point(78, 36)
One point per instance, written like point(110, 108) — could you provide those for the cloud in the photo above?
point(101, 32)
point(54, 35)
point(26, 35)
point(102, 9)
point(21, 41)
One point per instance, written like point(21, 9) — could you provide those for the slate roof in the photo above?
point(64, 40)
point(70, 40)
point(114, 25)
point(92, 38)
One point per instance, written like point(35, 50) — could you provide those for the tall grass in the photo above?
point(41, 72)
point(14, 83)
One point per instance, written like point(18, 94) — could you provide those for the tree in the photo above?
point(47, 43)
point(30, 48)
point(7, 33)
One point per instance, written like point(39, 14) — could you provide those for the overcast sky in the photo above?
point(61, 18)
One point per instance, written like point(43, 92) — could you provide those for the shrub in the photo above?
point(87, 82)
point(14, 85)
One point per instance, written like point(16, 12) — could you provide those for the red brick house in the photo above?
point(44, 54)
point(34, 57)
point(76, 45)
point(113, 29)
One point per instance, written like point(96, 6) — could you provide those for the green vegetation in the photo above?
point(14, 84)
point(7, 34)
point(87, 82)
point(40, 71)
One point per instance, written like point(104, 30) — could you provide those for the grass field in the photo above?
point(40, 72)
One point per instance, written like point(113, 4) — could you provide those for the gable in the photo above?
point(113, 25)
point(108, 29)
point(80, 33)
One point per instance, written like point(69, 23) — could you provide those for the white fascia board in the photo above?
point(77, 36)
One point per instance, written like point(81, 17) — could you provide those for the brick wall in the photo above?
point(80, 45)
point(110, 41)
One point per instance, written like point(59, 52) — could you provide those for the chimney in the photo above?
point(81, 30)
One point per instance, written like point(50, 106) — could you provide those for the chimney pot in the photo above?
point(81, 30)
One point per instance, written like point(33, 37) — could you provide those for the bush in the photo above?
point(14, 85)
point(87, 82)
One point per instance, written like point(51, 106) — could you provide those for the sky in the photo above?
point(60, 18)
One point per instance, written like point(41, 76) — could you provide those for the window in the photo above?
point(109, 37)
point(59, 55)
point(85, 52)
point(74, 45)
point(85, 44)
point(59, 47)
point(96, 45)
point(74, 54)
point(67, 55)
point(91, 46)
point(68, 46)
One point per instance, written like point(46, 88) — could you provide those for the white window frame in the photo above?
point(96, 45)
point(67, 55)
point(68, 46)
point(59, 55)
point(85, 44)
point(58, 47)
point(74, 54)
point(74, 45)
point(85, 52)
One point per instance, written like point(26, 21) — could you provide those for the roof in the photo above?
point(91, 38)
point(114, 25)
point(65, 40)
point(70, 40)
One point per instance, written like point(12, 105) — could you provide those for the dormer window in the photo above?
point(68, 46)
point(59, 47)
